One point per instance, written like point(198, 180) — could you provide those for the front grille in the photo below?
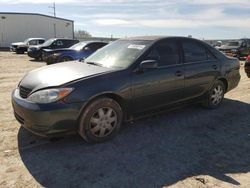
point(24, 92)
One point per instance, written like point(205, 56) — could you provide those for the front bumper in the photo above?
point(51, 59)
point(13, 48)
point(46, 119)
point(34, 53)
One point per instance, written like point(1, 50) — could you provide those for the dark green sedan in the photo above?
point(122, 81)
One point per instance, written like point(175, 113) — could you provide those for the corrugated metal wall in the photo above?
point(18, 27)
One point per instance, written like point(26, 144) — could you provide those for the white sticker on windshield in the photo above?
point(136, 46)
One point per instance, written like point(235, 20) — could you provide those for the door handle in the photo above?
point(214, 67)
point(178, 73)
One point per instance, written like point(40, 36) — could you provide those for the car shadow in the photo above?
point(38, 61)
point(160, 150)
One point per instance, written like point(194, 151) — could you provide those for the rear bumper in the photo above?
point(46, 119)
point(233, 80)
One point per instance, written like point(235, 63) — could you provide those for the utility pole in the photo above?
point(54, 10)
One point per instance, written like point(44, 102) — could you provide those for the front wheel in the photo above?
point(215, 95)
point(101, 120)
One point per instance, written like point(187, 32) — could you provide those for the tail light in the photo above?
point(248, 58)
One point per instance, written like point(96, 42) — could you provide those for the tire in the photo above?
point(215, 95)
point(19, 51)
point(101, 120)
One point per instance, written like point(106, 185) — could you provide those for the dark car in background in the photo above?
point(247, 66)
point(21, 47)
point(121, 81)
point(239, 48)
point(80, 50)
point(54, 43)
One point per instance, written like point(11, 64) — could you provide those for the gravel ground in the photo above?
point(189, 147)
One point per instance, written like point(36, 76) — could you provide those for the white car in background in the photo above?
point(21, 47)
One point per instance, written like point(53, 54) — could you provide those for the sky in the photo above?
point(203, 19)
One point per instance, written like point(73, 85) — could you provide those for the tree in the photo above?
point(82, 34)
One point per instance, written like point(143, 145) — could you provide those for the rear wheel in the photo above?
point(215, 96)
point(101, 120)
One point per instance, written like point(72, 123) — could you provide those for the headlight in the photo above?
point(49, 95)
point(56, 54)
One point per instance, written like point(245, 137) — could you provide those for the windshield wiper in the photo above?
point(94, 63)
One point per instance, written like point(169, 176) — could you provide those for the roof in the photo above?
point(152, 38)
point(36, 38)
point(35, 14)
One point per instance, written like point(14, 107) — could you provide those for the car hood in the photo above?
point(224, 47)
point(59, 74)
point(18, 43)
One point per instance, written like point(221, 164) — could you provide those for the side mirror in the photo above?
point(149, 64)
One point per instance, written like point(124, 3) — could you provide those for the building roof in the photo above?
point(36, 14)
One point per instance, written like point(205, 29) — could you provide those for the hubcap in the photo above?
point(103, 122)
point(217, 95)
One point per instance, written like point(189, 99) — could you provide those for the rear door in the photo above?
point(201, 68)
point(157, 87)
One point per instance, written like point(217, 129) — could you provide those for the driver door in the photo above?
point(155, 87)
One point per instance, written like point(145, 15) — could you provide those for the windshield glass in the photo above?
point(26, 41)
point(48, 42)
point(78, 46)
point(235, 43)
point(121, 53)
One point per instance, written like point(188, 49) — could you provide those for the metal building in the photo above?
point(16, 27)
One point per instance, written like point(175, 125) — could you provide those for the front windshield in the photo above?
point(236, 43)
point(121, 53)
point(48, 42)
point(78, 46)
point(26, 41)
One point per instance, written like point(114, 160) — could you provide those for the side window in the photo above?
point(95, 46)
point(210, 56)
point(166, 52)
point(33, 42)
point(40, 41)
point(59, 43)
point(193, 51)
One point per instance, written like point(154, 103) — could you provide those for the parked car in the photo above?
point(54, 43)
point(247, 66)
point(239, 48)
point(21, 47)
point(78, 51)
point(121, 81)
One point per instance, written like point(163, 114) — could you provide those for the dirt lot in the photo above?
point(189, 147)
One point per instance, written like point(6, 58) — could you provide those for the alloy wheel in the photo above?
point(217, 95)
